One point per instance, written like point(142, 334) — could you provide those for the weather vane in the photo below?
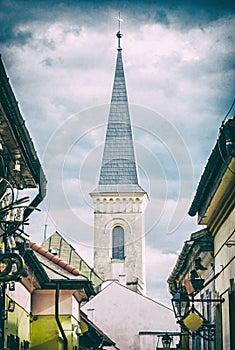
point(119, 35)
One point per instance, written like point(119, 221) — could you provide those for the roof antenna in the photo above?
point(45, 233)
point(46, 225)
point(119, 35)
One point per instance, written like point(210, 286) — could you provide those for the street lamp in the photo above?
point(180, 303)
point(189, 318)
point(166, 341)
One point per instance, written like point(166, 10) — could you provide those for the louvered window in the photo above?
point(118, 243)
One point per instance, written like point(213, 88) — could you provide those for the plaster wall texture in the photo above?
point(226, 322)
point(17, 322)
point(148, 341)
point(122, 314)
point(21, 296)
point(225, 264)
point(43, 303)
point(224, 256)
point(153, 342)
point(127, 212)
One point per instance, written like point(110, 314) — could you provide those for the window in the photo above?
point(13, 342)
point(118, 243)
point(25, 345)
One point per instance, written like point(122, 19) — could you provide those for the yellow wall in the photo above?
point(45, 333)
point(18, 323)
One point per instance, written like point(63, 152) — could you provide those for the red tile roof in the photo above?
point(37, 248)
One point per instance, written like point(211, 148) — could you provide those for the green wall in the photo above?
point(18, 323)
point(45, 333)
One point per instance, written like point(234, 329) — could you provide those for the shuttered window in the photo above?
point(118, 243)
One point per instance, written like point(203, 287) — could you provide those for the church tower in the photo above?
point(119, 201)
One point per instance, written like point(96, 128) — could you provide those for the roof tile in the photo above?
point(54, 258)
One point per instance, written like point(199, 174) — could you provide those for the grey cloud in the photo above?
point(48, 62)
point(15, 13)
point(51, 89)
point(9, 36)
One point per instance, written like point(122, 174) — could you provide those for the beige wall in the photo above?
point(225, 266)
point(43, 303)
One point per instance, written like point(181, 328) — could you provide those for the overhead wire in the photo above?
point(228, 111)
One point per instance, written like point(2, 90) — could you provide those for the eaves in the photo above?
point(217, 165)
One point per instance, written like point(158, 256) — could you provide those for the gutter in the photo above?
point(57, 294)
point(39, 197)
point(217, 164)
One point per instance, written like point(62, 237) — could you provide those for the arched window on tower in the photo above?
point(118, 243)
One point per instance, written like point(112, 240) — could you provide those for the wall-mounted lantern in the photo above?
point(11, 305)
point(166, 341)
point(189, 318)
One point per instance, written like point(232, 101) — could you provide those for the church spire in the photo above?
point(119, 202)
point(118, 170)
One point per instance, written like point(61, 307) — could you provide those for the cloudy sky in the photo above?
point(179, 66)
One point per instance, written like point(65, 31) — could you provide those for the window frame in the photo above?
point(118, 252)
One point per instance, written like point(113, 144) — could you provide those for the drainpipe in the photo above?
point(40, 196)
point(57, 294)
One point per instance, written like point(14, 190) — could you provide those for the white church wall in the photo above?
point(148, 341)
point(108, 214)
point(122, 314)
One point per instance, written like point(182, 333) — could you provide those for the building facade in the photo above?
point(46, 310)
point(195, 268)
point(20, 170)
point(40, 293)
point(214, 203)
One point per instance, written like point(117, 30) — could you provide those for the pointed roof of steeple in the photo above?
point(119, 170)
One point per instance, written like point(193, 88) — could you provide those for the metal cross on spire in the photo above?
point(119, 35)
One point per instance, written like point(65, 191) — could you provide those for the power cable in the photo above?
point(228, 111)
